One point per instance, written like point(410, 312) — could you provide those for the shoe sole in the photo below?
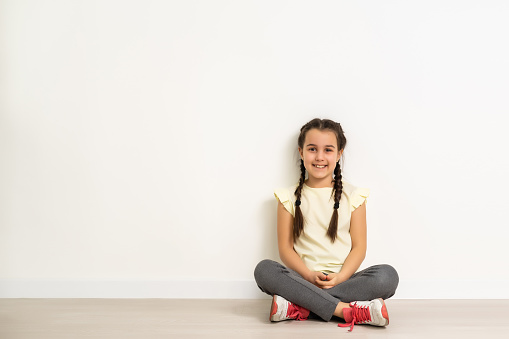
point(385, 314)
point(273, 308)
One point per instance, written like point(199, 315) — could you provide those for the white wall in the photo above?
point(140, 141)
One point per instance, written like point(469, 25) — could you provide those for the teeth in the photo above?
point(318, 166)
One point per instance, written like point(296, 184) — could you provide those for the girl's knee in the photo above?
point(263, 268)
point(389, 272)
point(389, 278)
point(265, 274)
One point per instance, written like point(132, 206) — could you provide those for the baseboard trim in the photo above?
point(239, 289)
point(173, 289)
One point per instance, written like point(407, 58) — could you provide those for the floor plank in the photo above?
point(178, 318)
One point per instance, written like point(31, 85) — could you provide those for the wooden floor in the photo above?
point(171, 318)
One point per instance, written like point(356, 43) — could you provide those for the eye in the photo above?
point(311, 149)
point(328, 150)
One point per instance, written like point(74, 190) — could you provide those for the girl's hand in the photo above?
point(313, 277)
point(331, 280)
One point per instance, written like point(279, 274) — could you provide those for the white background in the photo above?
point(140, 141)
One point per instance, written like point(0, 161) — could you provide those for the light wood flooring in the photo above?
point(178, 318)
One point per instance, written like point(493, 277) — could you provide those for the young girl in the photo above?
point(321, 230)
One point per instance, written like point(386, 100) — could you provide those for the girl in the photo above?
point(321, 252)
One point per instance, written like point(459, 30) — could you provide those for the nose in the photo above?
point(319, 155)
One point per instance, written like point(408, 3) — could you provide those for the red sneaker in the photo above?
point(372, 312)
point(282, 309)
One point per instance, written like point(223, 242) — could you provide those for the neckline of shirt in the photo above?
point(317, 188)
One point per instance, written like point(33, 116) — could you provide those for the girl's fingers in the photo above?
point(327, 286)
point(317, 284)
point(324, 283)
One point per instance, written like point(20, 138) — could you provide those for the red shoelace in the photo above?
point(297, 312)
point(360, 315)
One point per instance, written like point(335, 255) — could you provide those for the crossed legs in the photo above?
point(379, 281)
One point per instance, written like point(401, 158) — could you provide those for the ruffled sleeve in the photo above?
point(283, 195)
point(359, 195)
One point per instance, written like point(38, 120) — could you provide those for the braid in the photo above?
point(332, 232)
point(298, 223)
point(321, 125)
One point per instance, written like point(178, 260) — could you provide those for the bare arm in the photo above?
point(285, 245)
point(358, 232)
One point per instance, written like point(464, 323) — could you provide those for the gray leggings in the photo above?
point(379, 281)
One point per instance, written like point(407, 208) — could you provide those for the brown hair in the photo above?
point(329, 125)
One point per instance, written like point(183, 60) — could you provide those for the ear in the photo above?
point(300, 152)
point(339, 154)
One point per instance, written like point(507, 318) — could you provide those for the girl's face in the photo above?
point(320, 155)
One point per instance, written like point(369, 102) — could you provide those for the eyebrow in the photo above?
point(325, 145)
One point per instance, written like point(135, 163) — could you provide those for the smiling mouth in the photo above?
point(320, 166)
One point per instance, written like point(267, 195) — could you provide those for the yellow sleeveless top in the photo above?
point(313, 246)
